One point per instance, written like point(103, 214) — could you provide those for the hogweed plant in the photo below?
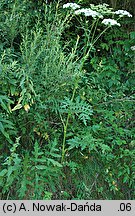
point(89, 19)
point(98, 13)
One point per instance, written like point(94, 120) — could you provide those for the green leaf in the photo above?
point(105, 148)
point(104, 46)
point(3, 172)
point(132, 35)
point(9, 172)
point(40, 167)
point(4, 101)
point(55, 163)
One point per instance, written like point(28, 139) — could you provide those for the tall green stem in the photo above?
point(87, 54)
point(65, 126)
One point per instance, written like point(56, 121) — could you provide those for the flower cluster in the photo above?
point(110, 22)
point(98, 11)
point(74, 6)
point(103, 9)
point(133, 48)
point(88, 12)
point(123, 13)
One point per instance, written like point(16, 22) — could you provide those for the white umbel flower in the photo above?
point(133, 48)
point(123, 13)
point(74, 6)
point(88, 12)
point(110, 22)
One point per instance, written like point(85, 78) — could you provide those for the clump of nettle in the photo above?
point(101, 14)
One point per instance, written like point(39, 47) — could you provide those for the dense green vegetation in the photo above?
point(67, 102)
